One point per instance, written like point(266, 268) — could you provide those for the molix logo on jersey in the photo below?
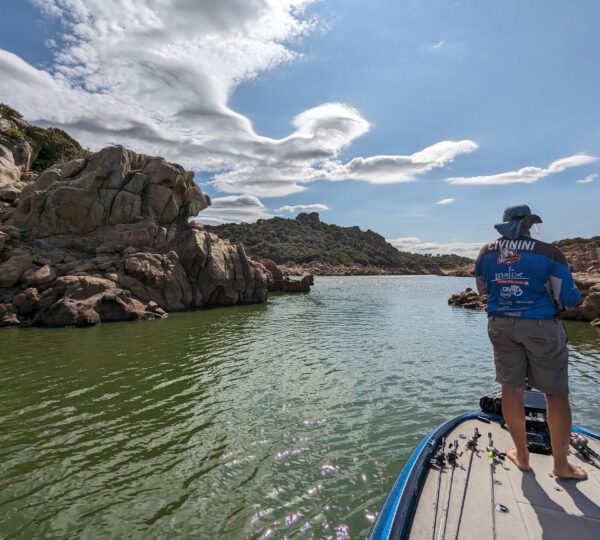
point(511, 278)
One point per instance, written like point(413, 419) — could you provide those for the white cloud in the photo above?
point(588, 179)
point(303, 208)
point(396, 169)
point(526, 175)
point(444, 202)
point(234, 209)
point(157, 76)
point(415, 245)
point(437, 45)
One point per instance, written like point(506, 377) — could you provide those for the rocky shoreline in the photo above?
point(588, 309)
point(323, 269)
point(107, 238)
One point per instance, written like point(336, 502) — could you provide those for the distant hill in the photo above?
point(307, 241)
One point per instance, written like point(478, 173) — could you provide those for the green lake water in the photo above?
point(290, 419)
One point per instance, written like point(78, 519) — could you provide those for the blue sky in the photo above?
point(512, 85)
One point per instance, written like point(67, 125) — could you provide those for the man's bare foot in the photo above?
point(522, 464)
point(570, 472)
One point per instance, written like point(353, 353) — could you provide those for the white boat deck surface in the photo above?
point(539, 506)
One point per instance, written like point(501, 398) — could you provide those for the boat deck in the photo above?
point(538, 505)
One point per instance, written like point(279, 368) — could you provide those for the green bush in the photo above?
point(53, 146)
point(9, 112)
point(12, 132)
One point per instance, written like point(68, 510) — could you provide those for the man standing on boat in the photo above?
point(528, 282)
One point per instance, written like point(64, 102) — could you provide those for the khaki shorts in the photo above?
point(532, 348)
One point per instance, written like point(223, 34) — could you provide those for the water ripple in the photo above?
point(289, 420)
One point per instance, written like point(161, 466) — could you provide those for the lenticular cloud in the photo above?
point(156, 75)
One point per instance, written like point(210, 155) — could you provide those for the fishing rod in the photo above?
point(472, 446)
point(453, 455)
point(439, 460)
point(492, 452)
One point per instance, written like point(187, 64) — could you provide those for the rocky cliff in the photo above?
point(106, 237)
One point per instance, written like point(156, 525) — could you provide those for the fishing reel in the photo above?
point(453, 453)
point(492, 451)
point(472, 442)
point(439, 457)
point(580, 443)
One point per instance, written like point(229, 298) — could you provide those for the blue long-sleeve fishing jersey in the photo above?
point(525, 278)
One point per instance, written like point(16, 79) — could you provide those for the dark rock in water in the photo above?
point(106, 238)
point(468, 299)
point(278, 282)
point(590, 306)
point(291, 285)
point(8, 317)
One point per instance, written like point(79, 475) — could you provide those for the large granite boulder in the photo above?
point(590, 307)
point(9, 171)
point(13, 268)
point(10, 176)
point(87, 300)
point(220, 273)
point(107, 237)
point(113, 187)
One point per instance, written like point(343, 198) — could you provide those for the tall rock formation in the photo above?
point(106, 237)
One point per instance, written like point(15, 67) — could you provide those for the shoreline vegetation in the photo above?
point(321, 269)
point(307, 244)
point(89, 237)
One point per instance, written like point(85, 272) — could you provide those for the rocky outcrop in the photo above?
point(583, 254)
point(10, 176)
point(25, 150)
point(468, 299)
point(587, 310)
point(589, 307)
point(106, 238)
point(317, 268)
point(281, 282)
point(296, 285)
